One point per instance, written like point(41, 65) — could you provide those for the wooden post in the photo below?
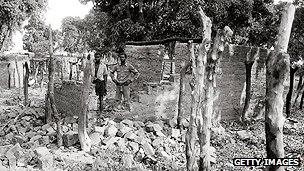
point(277, 70)
point(248, 65)
point(289, 95)
point(191, 135)
point(181, 93)
point(50, 96)
point(84, 139)
point(25, 83)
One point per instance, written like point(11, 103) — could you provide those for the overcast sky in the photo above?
point(58, 9)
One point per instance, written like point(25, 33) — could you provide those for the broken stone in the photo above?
point(2, 168)
point(4, 149)
point(134, 146)
point(34, 138)
point(127, 161)
point(22, 130)
point(45, 157)
point(165, 155)
point(158, 142)
point(151, 136)
point(99, 129)
point(13, 154)
point(111, 122)
point(123, 130)
point(110, 141)
point(183, 137)
point(51, 131)
point(139, 124)
point(95, 138)
point(121, 143)
point(148, 149)
point(243, 135)
point(141, 132)
point(9, 137)
point(175, 133)
point(140, 155)
point(128, 122)
point(45, 140)
point(160, 134)
point(153, 127)
point(173, 123)
point(74, 127)
point(70, 138)
point(20, 139)
point(65, 129)
point(185, 123)
point(130, 136)
point(111, 131)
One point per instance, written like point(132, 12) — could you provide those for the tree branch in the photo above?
point(163, 41)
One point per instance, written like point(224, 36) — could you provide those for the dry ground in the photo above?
point(230, 142)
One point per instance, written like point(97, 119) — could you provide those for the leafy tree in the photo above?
point(13, 13)
point(73, 36)
point(296, 50)
point(139, 20)
point(36, 37)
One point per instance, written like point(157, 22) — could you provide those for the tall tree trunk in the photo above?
point(9, 75)
point(277, 69)
point(298, 92)
point(300, 82)
point(51, 98)
point(204, 92)
point(302, 99)
point(289, 95)
point(71, 71)
point(4, 36)
point(181, 93)
point(248, 66)
point(84, 139)
point(25, 83)
point(211, 69)
point(128, 9)
point(18, 74)
point(141, 13)
point(191, 135)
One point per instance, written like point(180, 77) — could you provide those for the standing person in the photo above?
point(126, 74)
point(100, 79)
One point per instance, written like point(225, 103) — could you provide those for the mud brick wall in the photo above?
point(4, 75)
point(148, 61)
point(68, 98)
point(230, 83)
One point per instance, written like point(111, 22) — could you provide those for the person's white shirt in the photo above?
point(102, 70)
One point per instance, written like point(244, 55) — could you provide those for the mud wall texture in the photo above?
point(12, 70)
point(68, 98)
point(148, 61)
point(230, 83)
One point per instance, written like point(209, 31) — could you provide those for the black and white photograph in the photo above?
point(151, 85)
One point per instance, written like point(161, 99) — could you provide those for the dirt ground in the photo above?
point(230, 139)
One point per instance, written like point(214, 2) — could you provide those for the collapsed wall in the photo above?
point(230, 82)
point(148, 60)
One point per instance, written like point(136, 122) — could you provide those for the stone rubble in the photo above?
point(137, 140)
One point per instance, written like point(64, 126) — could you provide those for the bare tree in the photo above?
point(277, 70)
point(25, 83)
point(50, 100)
point(84, 139)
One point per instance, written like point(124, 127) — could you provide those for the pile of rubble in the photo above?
point(26, 142)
